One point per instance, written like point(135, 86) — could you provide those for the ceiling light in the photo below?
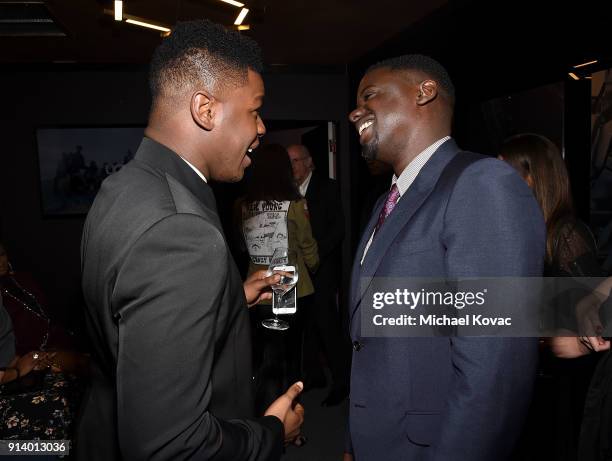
point(118, 10)
point(244, 27)
point(146, 24)
point(241, 16)
point(574, 76)
point(585, 64)
point(232, 2)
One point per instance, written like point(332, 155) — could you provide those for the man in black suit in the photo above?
point(166, 309)
point(322, 319)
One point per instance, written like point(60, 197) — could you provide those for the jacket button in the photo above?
point(356, 346)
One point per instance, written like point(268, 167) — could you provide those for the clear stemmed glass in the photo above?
point(284, 263)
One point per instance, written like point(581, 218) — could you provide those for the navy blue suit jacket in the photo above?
point(446, 398)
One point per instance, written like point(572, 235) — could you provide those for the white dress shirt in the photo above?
point(304, 186)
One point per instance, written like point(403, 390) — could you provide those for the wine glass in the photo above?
point(284, 263)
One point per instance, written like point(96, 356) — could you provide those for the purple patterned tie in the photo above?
point(388, 208)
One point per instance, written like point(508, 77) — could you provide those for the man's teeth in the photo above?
point(364, 126)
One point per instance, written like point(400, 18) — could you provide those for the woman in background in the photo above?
point(554, 424)
point(273, 214)
point(39, 384)
point(272, 200)
point(570, 246)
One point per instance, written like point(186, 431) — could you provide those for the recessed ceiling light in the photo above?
point(232, 2)
point(585, 64)
point(241, 16)
point(244, 27)
point(148, 25)
point(574, 76)
point(118, 10)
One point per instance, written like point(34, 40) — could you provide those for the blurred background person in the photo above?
point(553, 426)
point(273, 214)
point(595, 441)
point(570, 246)
point(323, 333)
point(39, 390)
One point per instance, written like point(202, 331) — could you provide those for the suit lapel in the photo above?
point(401, 215)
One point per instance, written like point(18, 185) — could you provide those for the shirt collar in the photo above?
point(407, 177)
point(304, 185)
point(198, 172)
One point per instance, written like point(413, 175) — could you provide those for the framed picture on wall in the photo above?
point(73, 162)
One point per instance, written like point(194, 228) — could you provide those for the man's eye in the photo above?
point(367, 96)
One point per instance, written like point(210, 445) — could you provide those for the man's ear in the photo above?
point(428, 91)
point(203, 109)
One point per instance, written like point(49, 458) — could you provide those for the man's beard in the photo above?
point(370, 150)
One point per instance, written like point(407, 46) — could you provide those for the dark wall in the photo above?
point(319, 97)
point(49, 247)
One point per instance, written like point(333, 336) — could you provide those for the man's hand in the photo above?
point(31, 361)
point(595, 343)
point(256, 286)
point(587, 314)
point(589, 323)
point(571, 346)
point(290, 413)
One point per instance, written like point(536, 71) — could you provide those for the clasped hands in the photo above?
point(35, 360)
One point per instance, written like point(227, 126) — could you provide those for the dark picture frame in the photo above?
point(74, 160)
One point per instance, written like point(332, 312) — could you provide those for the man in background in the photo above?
point(322, 328)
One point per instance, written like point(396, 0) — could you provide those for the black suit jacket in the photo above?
point(171, 375)
point(327, 222)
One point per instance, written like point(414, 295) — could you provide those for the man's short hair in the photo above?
point(202, 52)
point(422, 63)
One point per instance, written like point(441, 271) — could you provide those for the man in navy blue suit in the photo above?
point(448, 215)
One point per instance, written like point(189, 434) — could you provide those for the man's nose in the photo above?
point(261, 127)
point(356, 114)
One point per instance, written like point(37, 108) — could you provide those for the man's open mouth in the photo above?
point(366, 124)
